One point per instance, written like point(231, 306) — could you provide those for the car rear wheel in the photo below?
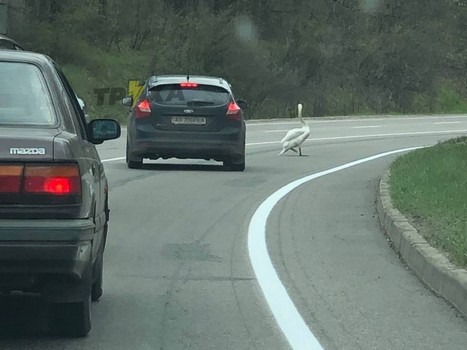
point(131, 163)
point(71, 319)
point(97, 289)
point(237, 167)
point(235, 164)
point(135, 165)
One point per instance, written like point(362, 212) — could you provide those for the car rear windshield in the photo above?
point(24, 97)
point(177, 95)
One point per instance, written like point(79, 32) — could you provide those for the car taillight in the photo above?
point(234, 112)
point(188, 85)
point(143, 109)
point(57, 180)
point(10, 178)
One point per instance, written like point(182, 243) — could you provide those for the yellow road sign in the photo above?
point(135, 88)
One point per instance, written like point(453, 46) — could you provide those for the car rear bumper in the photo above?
point(227, 143)
point(36, 255)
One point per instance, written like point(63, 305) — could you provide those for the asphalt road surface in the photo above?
point(178, 273)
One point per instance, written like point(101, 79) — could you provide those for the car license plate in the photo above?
point(189, 120)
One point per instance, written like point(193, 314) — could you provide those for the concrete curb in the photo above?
point(435, 270)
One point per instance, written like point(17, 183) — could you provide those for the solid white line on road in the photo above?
point(366, 127)
point(439, 132)
point(285, 312)
point(441, 123)
point(295, 121)
point(341, 138)
point(112, 159)
point(280, 130)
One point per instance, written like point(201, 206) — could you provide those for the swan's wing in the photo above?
point(304, 136)
point(294, 138)
point(282, 152)
point(287, 146)
point(292, 134)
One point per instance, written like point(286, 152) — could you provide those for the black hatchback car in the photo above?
point(186, 117)
point(53, 191)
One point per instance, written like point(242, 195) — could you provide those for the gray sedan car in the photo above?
point(53, 191)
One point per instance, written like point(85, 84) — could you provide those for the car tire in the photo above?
point(71, 319)
point(237, 167)
point(133, 164)
point(236, 164)
point(97, 290)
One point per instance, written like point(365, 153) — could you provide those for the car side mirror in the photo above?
point(242, 104)
point(128, 101)
point(104, 129)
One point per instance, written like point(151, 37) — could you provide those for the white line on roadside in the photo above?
point(341, 138)
point(366, 127)
point(294, 121)
point(284, 310)
point(439, 132)
point(453, 122)
point(278, 130)
point(112, 159)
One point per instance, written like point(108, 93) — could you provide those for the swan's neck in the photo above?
point(300, 107)
point(300, 119)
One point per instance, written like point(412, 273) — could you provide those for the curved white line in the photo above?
point(285, 312)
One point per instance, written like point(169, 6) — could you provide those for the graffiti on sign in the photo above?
point(135, 88)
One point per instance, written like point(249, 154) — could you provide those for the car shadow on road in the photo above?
point(23, 317)
point(184, 167)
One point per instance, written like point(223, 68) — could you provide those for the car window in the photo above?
point(175, 94)
point(78, 111)
point(24, 96)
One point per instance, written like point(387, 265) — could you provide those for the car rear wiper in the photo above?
point(199, 103)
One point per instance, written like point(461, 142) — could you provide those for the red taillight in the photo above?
point(52, 180)
point(234, 112)
point(58, 185)
point(10, 178)
point(189, 85)
point(143, 109)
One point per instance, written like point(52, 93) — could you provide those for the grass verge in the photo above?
point(429, 186)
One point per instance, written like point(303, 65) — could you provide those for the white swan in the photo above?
point(295, 137)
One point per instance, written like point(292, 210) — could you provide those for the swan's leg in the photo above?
point(299, 151)
point(293, 149)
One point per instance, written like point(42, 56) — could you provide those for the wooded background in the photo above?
point(338, 57)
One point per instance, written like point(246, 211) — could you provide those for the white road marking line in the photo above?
point(112, 159)
point(453, 122)
point(262, 143)
point(341, 138)
point(281, 130)
point(292, 121)
point(366, 126)
point(284, 310)
point(439, 132)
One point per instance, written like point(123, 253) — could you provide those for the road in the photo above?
point(178, 273)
